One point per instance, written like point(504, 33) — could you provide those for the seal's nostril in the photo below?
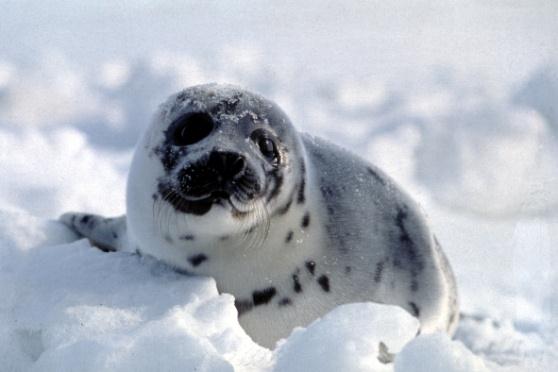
point(238, 166)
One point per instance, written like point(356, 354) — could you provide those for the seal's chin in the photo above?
point(200, 204)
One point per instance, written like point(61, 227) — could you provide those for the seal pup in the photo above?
point(221, 184)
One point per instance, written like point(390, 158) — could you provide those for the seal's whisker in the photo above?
point(167, 213)
point(256, 234)
point(158, 206)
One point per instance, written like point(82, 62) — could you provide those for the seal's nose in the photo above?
point(217, 173)
point(228, 165)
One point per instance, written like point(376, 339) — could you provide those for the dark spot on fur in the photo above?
point(407, 256)
point(168, 239)
point(407, 244)
point(285, 301)
point(224, 237)
point(415, 309)
point(276, 175)
point(301, 197)
point(85, 219)
point(376, 176)
point(187, 237)
point(155, 196)
point(341, 238)
point(348, 270)
point(310, 266)
point(197, 259)
point(263, 296)
point(378, 272)
point(242, 306)
point(289, 237)
point(114, 235)
point(400, 222)
point(305, 220)
point(323, 281)
point(296, 284)
point(284, 209)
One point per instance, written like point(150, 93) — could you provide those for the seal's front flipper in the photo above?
point(107, 234)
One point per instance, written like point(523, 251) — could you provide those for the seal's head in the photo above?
point(219, 159)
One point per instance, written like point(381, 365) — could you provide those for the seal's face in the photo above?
point(225, 154)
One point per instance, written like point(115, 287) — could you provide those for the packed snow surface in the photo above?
point(463, 114)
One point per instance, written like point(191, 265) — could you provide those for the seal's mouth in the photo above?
point(237, 199)
point(251, 216)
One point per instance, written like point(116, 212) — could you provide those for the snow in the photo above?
point(348, 338)
point(465, 121)
point(437, 353)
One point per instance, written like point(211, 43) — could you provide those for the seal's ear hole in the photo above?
point(191, 128)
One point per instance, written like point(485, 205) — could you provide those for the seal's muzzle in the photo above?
point(218, 175)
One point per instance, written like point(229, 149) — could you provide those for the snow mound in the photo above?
point(481, 153)
point(71, 307)
point(55, 171)
point(347, 339)
point(437, 353)
point(68, 306)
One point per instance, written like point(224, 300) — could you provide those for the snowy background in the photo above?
point(457, 100)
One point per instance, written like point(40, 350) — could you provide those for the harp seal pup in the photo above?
point(221, 184)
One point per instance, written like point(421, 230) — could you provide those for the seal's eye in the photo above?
point(266, 145)
point(191, 128)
